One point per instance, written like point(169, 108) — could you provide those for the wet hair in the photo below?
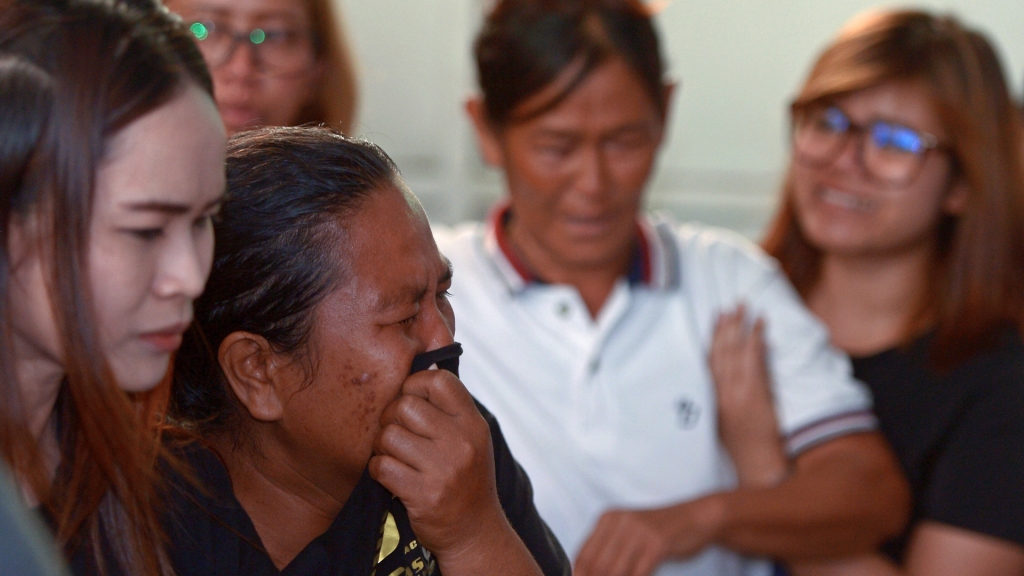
point(977, 274)
point(525, 45)
point(278, 255)
point(75, 74)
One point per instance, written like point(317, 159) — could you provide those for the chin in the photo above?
point(142, 375)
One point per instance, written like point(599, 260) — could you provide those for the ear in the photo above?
point(486, 137)
point(253, 370)
point(956, 198)
point(669, 92)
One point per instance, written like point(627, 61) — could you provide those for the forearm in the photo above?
point(842, 498)
point(872, 565)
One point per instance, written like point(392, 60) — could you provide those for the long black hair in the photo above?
point(277, 255)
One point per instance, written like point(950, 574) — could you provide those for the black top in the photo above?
point(211, 534)
point(959, 435)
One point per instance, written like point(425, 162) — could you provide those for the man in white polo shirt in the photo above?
point(587, 326)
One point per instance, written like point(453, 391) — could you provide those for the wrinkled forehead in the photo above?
point(388, 239)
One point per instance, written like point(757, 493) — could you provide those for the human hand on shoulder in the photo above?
point(747, 424)
point(434, 453)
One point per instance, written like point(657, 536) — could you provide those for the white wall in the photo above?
point(738, 63)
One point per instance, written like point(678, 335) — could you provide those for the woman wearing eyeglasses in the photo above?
point(902, 226)
point(275, 62)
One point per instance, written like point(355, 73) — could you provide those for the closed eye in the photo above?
point(145, 234)
point(204, 221)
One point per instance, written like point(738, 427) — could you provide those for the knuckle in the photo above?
point(390, 435)
point(406, 405)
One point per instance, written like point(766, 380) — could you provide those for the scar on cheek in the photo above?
point(365, 378)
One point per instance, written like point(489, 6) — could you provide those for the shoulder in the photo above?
point(696, 241)
point(208, 531)
point(196, 464)
point(715, 258)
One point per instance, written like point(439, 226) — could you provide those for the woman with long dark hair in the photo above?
point(902, 227)
point(111, 168)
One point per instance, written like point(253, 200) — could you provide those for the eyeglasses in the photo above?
point(889, 152)
point(276, 51)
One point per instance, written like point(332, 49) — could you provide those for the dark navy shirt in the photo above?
point(211, 533)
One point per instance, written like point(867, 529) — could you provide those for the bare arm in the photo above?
point(935, 550)
point(842, 497)
point(747, 427)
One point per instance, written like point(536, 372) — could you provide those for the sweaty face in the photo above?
point(576, 173)
point(843, 210)
point(249, 92)
point(150, 242)
point(392, 304)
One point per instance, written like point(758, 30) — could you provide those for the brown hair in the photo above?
point(104, 65)
point(977, 277)
point(335, 96)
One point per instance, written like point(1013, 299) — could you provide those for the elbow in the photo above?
point(884, 496)
point(870, 496)
point(893, 500)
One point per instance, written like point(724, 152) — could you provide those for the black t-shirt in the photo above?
point(212, 535)
point(959, 435)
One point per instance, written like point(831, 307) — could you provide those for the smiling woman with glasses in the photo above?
point(902, 226)
point(891, 153)
point(275, 62)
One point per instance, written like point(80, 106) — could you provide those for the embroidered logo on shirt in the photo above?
point(687, 413)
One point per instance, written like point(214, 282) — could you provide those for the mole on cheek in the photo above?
point(362, 380)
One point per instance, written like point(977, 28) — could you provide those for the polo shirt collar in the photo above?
point(652, 265)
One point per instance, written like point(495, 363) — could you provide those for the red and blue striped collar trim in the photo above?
point(647, 266)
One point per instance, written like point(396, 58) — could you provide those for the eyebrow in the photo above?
point(171, 208)
point(409, 293)
point(569, 134)
point(449, 271)
point(218, 12)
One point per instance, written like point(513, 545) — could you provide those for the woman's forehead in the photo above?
point(907, 102)
point(250, 9)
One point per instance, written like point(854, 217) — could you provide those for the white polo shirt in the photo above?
point(619, 411)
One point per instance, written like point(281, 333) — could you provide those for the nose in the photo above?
point(851, 155)
point(241, 64)
point(438, 326)
point(592, 172)
point(183, 269)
